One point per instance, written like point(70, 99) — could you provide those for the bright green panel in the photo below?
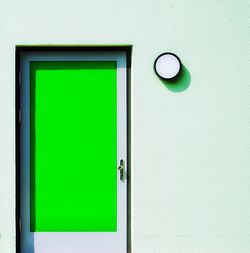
point(73, 146)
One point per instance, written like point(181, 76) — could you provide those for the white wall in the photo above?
point(190, 150)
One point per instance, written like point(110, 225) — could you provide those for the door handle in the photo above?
point(121, 168)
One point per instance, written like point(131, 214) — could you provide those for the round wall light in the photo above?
point(167, 66)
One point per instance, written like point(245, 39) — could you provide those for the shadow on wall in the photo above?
point(180, 83)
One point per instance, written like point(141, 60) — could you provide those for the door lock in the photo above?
point(122, 170)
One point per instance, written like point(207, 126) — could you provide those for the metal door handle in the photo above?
point(122, 170)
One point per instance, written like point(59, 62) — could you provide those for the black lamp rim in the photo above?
point(167, 53)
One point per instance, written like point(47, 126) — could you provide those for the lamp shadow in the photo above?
point(180, 83)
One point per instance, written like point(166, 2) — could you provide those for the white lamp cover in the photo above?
point(167, 65)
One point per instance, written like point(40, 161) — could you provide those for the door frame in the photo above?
point(83, 49)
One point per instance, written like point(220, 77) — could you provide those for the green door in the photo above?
point(74, 108)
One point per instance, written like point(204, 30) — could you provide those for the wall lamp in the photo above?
point(167, 66)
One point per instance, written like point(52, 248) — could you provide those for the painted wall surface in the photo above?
point(190, 149)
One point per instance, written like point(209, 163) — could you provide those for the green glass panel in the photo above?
point(73, 146)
